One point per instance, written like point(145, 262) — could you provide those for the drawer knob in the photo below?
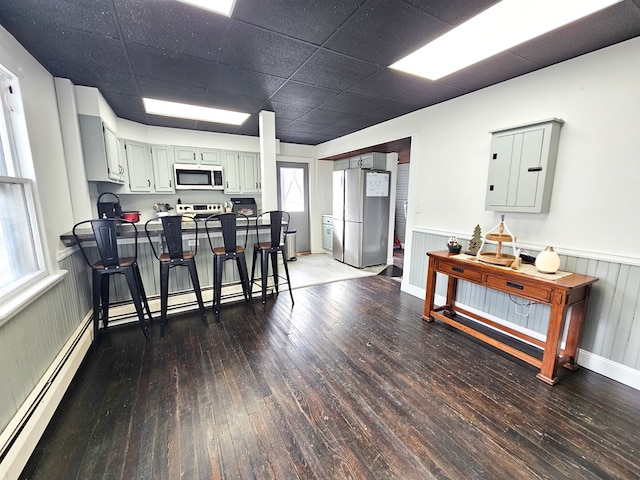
point(457, 269)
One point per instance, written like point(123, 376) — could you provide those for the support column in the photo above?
point(268, 161)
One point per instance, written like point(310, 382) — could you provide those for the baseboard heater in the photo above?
point(20, 437)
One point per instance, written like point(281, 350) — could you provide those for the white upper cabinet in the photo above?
point(251, 172)
point(522, 166)
point(100, 150)
point(162, 166)
point(139, 167)
point(231, 166)
point(201, 156)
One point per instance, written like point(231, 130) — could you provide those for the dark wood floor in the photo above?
point(350, 383)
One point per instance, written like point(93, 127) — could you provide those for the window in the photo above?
point(292, 189)
point(20, 246)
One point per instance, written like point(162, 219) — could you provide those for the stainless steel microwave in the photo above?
point(198, 177)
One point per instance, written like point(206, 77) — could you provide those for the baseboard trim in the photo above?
point(603, 366)
point(19, 439)
point(610, 369)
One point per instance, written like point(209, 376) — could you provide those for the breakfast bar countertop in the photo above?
point(155, 228)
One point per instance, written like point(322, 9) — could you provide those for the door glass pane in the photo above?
point(292, 189)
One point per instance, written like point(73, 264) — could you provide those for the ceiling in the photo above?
point(320, 65)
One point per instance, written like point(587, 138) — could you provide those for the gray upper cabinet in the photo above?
point(100, 150)
point(369, 160)
point(522, 166)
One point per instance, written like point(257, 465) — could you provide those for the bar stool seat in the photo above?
point(175, 257)
point(109, 263)
point(230, 250)
point(278, 222)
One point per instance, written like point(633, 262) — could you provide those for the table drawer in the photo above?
point(462, 272)
point(535, 292)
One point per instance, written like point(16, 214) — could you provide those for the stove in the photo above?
point(199, 210)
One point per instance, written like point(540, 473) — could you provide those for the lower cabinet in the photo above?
point(327, 232)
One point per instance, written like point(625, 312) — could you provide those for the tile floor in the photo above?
point(321, 268)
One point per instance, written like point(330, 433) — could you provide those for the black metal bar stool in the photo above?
point(278, 222)
point(105, 235)
point(230, 250)
point(175, 256)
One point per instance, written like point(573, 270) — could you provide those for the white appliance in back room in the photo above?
point(361, 216)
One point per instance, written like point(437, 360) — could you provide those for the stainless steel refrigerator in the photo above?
point(361, 216)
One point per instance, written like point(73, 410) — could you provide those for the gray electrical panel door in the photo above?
point(522, 166)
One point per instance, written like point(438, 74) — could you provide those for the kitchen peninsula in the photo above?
point(180, 288)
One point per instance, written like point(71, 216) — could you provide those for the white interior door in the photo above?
point(293, 197)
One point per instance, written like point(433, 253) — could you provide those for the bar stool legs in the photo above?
point(218, 262)
point(265, 254)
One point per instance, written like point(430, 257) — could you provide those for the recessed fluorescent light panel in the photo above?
point(193, 112)
point(504, 25)
point(224, 7)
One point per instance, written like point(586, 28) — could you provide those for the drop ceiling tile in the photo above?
point(103, 80)
point(231, 79)
point(609, 26)
point(355, 104)
point(496, 69)
point(304, 138)
point(118, 101)
point(387, 84)
point(453, 13)
point(430, 93)
point(250, 127)
point(335, 131)
point(333, 70)
point(151, 62)
point(172, 122)
point(383, 32)
point(216, 127)
point(303, 94)
point(134, 116)
point(286, 110)
point(54, 42)
point(314, 22)
point(303, 127)
point(230, 101)
point(324, 117)
point(357, 121)
point(173, 26)
point(95, 17)
point(263, 51)
point(181, 93)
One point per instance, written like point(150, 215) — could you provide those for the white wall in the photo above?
point(595, 189)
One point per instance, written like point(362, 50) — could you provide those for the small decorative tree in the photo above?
point(476, 240)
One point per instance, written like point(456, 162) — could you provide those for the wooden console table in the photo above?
point(571, 291)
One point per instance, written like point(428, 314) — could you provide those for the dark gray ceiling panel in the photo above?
point(173, 26)
point(333, 70)
point(310, 20)
point(232, 79)
point(322, 67)
point(263, 51)
point(383, 32)
point(151, 62)
point(302, 94)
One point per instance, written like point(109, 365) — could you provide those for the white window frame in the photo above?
point(19, 293)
